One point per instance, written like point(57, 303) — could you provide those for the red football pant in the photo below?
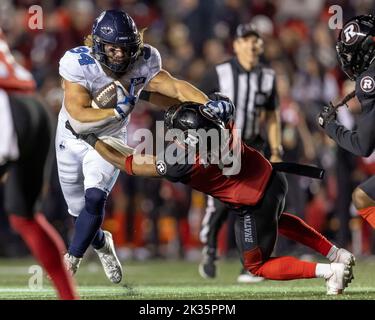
point(298, 230)
point(279, 268)
point(46, 246)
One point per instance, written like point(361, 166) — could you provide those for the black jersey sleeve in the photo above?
point(361, 141)
point(172, 166)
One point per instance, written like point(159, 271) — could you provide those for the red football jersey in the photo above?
point(245, 188)
point(13, 77)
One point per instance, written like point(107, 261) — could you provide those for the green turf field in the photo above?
point(179, 280)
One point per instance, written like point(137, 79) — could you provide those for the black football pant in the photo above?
point(217, 212)
point(256, 226)
point(25, 175)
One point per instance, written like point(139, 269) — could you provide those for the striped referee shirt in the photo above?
point(251, 92)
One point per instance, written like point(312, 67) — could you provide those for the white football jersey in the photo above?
point(79, 66)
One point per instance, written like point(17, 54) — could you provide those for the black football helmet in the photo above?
point(355, 46)
point(117, 28)
point(191, 118)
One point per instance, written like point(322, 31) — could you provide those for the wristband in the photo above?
point(129, 165)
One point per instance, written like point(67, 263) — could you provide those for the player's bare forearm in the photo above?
point(110, 154)
point(142, 165)
point(274, 133)
point(77, 101)
point(158, 99)
point(171, 87)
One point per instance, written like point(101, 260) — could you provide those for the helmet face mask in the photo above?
point(117, 29)
point(355, 46)
point(194, 127)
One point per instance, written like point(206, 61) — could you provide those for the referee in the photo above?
point(252, 88)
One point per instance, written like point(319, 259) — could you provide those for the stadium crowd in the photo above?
point(153, 218)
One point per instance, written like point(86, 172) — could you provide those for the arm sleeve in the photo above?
point(71, 70)
point(361, 142)
point(175, 172)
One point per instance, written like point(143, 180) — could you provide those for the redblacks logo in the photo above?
point(350, 33)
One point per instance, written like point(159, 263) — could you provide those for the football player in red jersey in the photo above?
point(255, 193)
point(24, 143)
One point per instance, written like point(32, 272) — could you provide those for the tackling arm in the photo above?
point(141, 165)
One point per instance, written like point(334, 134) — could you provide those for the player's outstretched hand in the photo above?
point(125, 101)
point(90, 138)
point(221, 108)
point(328, 114)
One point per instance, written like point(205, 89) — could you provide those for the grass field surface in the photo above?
point(179, 280)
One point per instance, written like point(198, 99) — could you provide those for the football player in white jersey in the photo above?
point(116, 52)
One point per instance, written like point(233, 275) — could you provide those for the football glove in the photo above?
point(125, 103)
point(222, 109)
point(328, 114)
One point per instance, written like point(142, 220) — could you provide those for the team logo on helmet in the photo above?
point(350, 34)
point(161, 167)
point(106, 30)
point(367, 84)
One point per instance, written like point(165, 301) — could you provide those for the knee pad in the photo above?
point(253, 259)
point(95, 201)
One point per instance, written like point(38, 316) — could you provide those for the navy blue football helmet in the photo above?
point(355, 46)
point(117, 28)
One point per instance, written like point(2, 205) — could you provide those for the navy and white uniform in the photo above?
point(80, 167)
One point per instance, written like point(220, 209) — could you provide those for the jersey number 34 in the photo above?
point(85, 58)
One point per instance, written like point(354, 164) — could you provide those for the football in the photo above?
point(106, 97)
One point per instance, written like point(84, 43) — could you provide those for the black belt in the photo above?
point(299, 169)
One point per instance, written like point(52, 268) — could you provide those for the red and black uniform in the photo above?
point(25, 174)
point(256, 195)
point(13, 77)
point(32, 126)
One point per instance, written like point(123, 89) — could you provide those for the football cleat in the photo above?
point(247, 277)
point(111, 264)
point(335, 283)
point(348, 259)
point(207, 267)
point(72, 263)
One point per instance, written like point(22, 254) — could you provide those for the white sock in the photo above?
point(323, 270)
point(332, 253)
